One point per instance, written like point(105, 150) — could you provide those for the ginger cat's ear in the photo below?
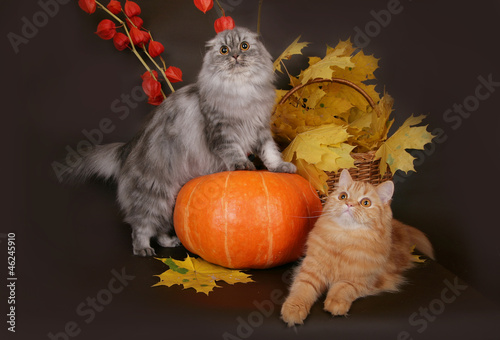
point(385, 191)
point(345, 178)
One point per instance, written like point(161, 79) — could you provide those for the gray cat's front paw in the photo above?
point(285, 167)
point(244, 165)
point(144, 252)
point(168, 241)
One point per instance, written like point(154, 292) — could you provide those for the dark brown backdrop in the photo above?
point(63, 82)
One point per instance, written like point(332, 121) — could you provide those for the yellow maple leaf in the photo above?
point(313, 144)
point(334, 106)
point(380, 119)
point(393, 151)
point(279, 95)
point(323, 68)
point(360, 120)
point(314, 60)
point(337, 158)
point(363, 69)
point(198, 274)
point(364, 66)
point(346, 46)
point(345, 160)
point(371, 129)
point(415, 257)
point(312, 119)
point(318, 117)
point(315, 176)
point(309, 96)
point(286, 121)
point(356, 114)
point(353, 96)
point(294, 48)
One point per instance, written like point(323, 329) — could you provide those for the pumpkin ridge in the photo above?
point(226, 246)
point(187, 230)
point(269, 231)
point(307, 205)
point(199, 244)
point(290, 184)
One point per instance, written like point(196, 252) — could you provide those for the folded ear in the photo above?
point(345, 178)
point(211, 43)
point(385, 191)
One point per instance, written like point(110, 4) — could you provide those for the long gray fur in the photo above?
point(203, 128)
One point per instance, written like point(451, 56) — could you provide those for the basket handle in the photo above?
point(332, 80)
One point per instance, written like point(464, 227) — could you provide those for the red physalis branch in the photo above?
point(222, 23)
point(135, 37)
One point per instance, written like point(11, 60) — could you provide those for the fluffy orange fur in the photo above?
point(355, 249)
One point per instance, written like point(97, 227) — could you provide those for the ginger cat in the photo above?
point(355, 249)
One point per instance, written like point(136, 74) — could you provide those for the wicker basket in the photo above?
point(366, 168)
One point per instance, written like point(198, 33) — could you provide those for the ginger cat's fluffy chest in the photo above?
point(347, 253)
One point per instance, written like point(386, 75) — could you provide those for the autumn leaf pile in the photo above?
point(322, 124)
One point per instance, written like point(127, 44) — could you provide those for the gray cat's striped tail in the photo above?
point(102, 161)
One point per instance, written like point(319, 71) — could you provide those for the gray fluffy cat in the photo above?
point(206, 127)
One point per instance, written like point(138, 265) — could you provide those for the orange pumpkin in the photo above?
point(246, 219)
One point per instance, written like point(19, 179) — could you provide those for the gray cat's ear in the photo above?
point(211, 43)
point(385, 191)
point(345, 178)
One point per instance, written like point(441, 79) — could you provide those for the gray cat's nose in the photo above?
point(235, 56)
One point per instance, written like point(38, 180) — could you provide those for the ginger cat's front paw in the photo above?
point(294, 312)
point(337, 306)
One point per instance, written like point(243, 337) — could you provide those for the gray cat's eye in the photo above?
point(224, 50)
point(244, 46)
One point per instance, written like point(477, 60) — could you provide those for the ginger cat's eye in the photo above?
point(244, 46)
point(343, 196)
point(365, 202)
point(224, 50)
